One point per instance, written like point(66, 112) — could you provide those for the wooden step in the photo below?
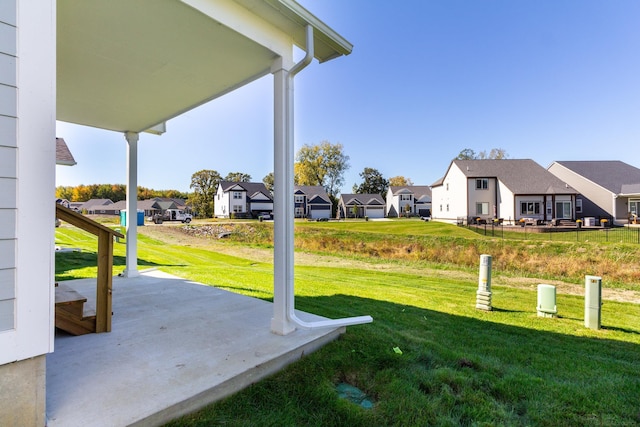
point(72, 313)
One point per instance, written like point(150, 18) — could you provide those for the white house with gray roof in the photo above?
point(242, 199)
point(511, 189)
point(414, 198)
point(608, 188)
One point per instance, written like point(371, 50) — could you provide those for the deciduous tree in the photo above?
point(204, 184)
point(322, 164)
point(237, 177)
point(495, 154)
point(399, 181)
point(466, 154)
point(269, 181)
point(373, 183)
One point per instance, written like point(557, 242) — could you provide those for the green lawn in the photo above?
point(453, 364)
point(399, 226)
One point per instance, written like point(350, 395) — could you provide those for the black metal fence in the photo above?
point(560, 234)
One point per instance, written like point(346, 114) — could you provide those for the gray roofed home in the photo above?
point(608, 188)
point(511, 189)
point(98, 206)
point(408, 199)
point(252, 188)
point(312, 201)
point(361, 206)
point(521, 176)
point(243, 200)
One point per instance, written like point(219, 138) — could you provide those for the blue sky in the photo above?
point(546, 80)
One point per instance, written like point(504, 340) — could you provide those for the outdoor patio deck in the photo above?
point(175, 346)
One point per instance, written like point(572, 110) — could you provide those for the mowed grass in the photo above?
point(454, 365)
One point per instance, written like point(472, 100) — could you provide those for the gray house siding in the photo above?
point(8, 162)
point(590, 209)
point(600, 184)
point(597, 195)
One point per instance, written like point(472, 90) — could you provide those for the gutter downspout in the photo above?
point(290, 297)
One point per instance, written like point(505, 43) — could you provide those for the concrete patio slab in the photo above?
point(175, 346)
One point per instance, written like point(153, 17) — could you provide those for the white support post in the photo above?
point(283, 202)
point(284, 319)
point(131, 269)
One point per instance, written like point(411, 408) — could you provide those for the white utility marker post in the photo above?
point(131, 269)
point(592, 301)
point(483, 296)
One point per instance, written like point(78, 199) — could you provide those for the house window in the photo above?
point(447, 207)
point(299, 212)
point(482, 183)
point(447, 186)
point(405, 197)
point(530, 208)
point(482, 208)
point(237, 208)
point(237, 195)
point(578, 206)
point(299, 199)
point(440, 208)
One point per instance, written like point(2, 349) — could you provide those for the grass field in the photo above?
point(452, 364)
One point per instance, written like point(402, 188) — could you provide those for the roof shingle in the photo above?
point(610, 174)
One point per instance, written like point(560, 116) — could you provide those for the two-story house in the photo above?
point(242, 200)
point(409, 199)
point(312, 201)
point(511, 189)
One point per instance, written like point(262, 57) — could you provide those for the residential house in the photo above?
point(99, 207)
point(608, 188)
point(409, 199)
point(361, 205)
point(156, 205)
point(511, 189)
point(242, 200)
point(311, 201)
point(76, 206)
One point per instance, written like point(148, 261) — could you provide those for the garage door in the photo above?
point(376, 212)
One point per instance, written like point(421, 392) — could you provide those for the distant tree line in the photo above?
point(113, 192)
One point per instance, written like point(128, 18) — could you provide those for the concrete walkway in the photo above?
point(175, 346)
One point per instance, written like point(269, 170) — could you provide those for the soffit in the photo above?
point(128, 65)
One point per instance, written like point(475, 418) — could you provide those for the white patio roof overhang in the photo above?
point(129, 66)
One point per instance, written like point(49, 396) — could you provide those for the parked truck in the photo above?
point(173, 215)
